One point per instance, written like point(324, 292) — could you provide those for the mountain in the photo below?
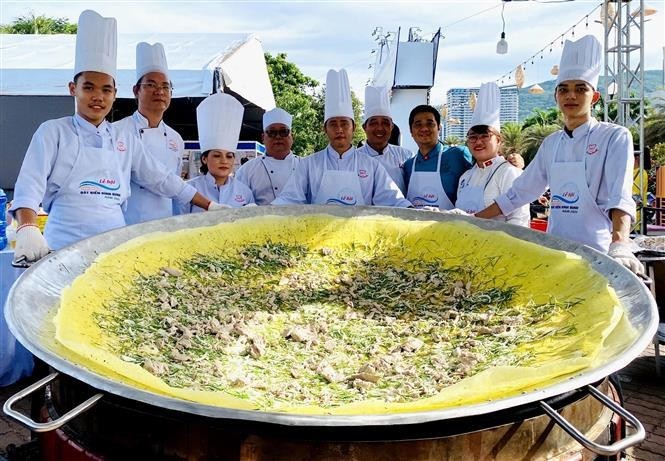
point(653, 83)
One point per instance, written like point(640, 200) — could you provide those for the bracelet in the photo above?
point(26, 225)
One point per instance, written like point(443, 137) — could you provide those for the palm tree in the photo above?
point(31, 24)
point(654, 129)
point(533, 138)
point(542, 117)
point(452, 141)
point(512, 139)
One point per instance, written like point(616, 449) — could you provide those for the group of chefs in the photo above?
point(92, 176)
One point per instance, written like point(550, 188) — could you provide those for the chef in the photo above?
point(587, 165)
point(153, 92)
point(378, 126)
point(219, 119)
point(432, 176)
point(76, 166)
point(339, 175)
point(267, 175)
point(491, 175)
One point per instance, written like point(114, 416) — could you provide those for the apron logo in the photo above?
point(592, 149)
point(462, 184)
point(172, 145)
point(121, 146)
point(239, 198)
point(566, 196)
point(345, 197)
point(427, 198)
point(362, 173)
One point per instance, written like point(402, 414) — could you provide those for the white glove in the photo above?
point(458, 211)
point(250, 204)
point(430, 208)
point(623, 254)
point(217, 206)
point(31, 245)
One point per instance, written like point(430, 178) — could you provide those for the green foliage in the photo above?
point(302, 97)
point(658, 154)
point(654, 130)
point(543, 117)
point(453, 141)
point(512, 139)
point(533, 138)
point(31, 24)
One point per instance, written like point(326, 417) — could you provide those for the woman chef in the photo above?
point(77, 166)
point(491, 174)
point(587, 165)
point(219, 119)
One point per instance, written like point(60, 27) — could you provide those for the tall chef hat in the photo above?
point(96, 44)
point(338, 95)
point(219, 119)
point(488, 106)
point(377, 102)
point(277, 115)
point(150, 58)
point(581, 60)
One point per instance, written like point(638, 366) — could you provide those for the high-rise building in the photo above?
point(458, 119)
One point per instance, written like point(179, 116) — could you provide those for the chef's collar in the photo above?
point(104, 128)
point(582, 129)
point(432, 153)
point(143, 123)
point(210, 180)
point(332, 153)
point(487, 163)
point(373, 152)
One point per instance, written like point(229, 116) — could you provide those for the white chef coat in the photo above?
point(495, 178)
point(234, 193)
point(392, 159)
point(52, 154)
point(266, 176)
point(376, 186)
point(608, 163)
point(166, 146)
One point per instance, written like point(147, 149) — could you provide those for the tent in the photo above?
point(35, 70)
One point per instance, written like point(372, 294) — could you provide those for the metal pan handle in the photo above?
point(604, 450)
point(51, 425)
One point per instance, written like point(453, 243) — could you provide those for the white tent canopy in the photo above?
point(42, 65)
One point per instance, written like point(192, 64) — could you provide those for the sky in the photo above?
point(320, 35)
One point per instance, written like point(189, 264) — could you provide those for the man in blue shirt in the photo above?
point(431, 177)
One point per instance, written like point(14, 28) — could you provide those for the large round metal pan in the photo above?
point(34, 298)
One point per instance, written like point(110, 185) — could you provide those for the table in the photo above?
point(15, 361)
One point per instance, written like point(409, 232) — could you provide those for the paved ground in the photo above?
point(644, 395)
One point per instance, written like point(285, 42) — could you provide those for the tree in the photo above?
point(31, 24)
point(654, 129)
point(512, 139)
point(542, 117)
point(533, 138)
point(452, 141)
point(303, 97)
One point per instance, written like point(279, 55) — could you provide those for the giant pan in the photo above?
point(34, 297)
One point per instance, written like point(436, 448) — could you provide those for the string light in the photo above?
point(550, 46)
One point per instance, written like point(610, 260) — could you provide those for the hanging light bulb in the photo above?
point(444, 111)
point(502, 44)
point(454, 121)
point(555, 69)
point(536, 89)
point(519, 76)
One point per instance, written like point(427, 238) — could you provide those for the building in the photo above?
point(458, 118)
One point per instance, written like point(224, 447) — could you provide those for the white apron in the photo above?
point(472, 198)
point(426, 189)
point(339, 187)
point(90, 198)
point(574, 213)
point(144, 205)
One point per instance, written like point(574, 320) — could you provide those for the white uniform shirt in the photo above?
point(234, 193)
point(52, 152)
point(376, 186)
point(500, 179)
point(392, 159)
point(608, 160)
point(144, 205)
point(267, 176)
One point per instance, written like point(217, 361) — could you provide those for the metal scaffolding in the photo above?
point(624, 78)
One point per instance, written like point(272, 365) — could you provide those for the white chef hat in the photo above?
point(96, 44)
point(219, 119)
point(488, 106)
point(581, 60)
point(277, 115)
point(150, 58)
point(377, 102)
point(338, 95)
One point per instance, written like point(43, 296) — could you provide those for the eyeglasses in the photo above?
point(166, 87)
point(473, 138)
point(283, 133)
